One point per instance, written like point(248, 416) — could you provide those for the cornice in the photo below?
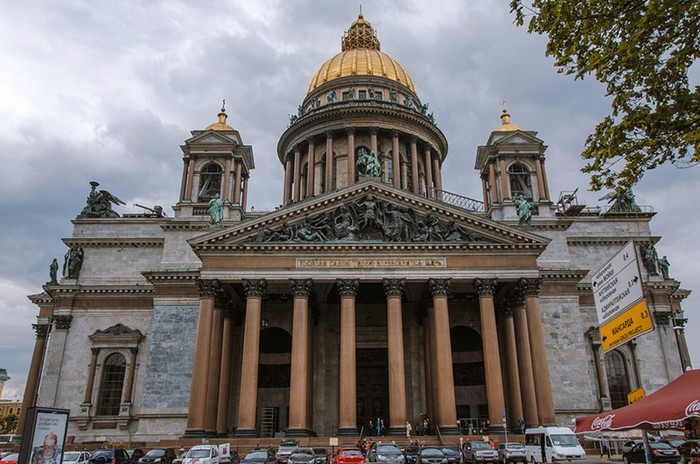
point(617, 240)
point(186, 225)
point(563, 274)
point(115, 242)
point(164, 275)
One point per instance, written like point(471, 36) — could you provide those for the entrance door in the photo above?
point(372, 387)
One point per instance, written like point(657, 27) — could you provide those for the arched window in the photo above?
point(111, 385)
point(618, 378)
point(519, 181)
point(209, 181)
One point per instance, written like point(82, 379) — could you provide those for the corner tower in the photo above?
point(361, 99)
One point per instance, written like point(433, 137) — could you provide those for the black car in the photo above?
point(453, 456)
point(411, 453)
point(660, 453)
point(110, 456)
point(684, 450)
point(431, 456)
point(158, 456)
point(321, 455)
point(302, 456)
point(285, 449)
point(386, 452)
point(259, 456)
point(135, 454)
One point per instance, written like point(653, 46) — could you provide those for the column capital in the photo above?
point(373, 130)
point(395, 133)
point(394, 287)
point(414, 139)
point(516, 298)
point(350, 130)
point(62, 322)
point(41, 330)
point(329, 134)
point(506, 312)
point(301, 288)
point(208, 288)
point(348, 287)
point(530, 287)
point(485, 287)
point(439, 287)
point(95, 351)
point(254, 288)
point(222, 300)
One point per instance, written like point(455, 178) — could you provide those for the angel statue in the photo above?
point(368, 164)
point(99, 204)
point(621, 202)
point(524, 209)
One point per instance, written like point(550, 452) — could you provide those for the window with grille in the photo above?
point(111, 386)
point(618, 378)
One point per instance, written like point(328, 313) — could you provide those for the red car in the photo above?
point(349, 455)
point(10, 459)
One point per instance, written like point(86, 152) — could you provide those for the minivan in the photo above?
point(552, 444)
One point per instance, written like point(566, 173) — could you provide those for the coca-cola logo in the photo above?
point(600, 423)
point(693, 409)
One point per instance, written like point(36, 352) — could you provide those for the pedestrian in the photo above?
point(471, 428)
point(521, 424)
point(379, 426)
point(605, 447)
point(408, 430)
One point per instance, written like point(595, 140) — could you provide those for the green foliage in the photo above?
point(8, 423)
point(642, 51)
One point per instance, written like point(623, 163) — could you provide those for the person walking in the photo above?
point(605, 447)
point(408, 430)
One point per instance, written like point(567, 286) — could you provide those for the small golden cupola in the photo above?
point(506, 125)
point(221, 124)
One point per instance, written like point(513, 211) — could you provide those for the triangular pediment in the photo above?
point(214, 137)
point(515, 138)
point(369, 214)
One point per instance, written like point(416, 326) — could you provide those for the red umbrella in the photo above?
point(664, 409)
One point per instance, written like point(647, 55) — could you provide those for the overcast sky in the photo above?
point(107, 91)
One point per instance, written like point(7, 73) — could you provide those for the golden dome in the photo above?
point(361, 56)
point(221, 124)
point(506, 126)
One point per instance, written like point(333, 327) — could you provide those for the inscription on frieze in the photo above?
point(349, 263)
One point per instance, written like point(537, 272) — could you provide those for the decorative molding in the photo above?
point(301, 288)
point(662, 317)
point(61, 322)
point(394, 287)
point(254, 288)
point(348, 287)
point(115, 242)
point(530, 287)
point(118, 335)
point(208, 288)
point(485, 287)
point(439, 287)
point(41, 330)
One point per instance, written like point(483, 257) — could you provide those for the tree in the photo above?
point(642, 50)
point(8, 423)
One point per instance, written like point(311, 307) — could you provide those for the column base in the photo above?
point(246, 433)
point(348, 432)
point(294, 433)
point(194, 433)
point(401, 430)
point(450, 430)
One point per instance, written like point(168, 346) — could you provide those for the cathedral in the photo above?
point(370, 293)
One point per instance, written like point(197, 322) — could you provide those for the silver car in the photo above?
point(302, 456)
point(512, 452)
point(478, 452)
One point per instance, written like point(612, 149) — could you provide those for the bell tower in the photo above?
point(512, 164)
point(215, 161)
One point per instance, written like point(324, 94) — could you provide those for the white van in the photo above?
point(202, 454)
point(552, 444)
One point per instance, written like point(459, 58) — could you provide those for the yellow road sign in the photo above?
point(628, 325)
point(636, 395)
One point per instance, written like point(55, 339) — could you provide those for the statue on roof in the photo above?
point(524, 209)
point(216, 211)
point(621, 202)
point(99, 204)
point(368, 164)
point(53, 271)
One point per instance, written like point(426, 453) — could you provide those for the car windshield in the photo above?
point(198, 453)
point(71, 456)
point(388, 449)
point(448, 450)
point(660, 446)
point(155, 453)
point(287, 446)
point(301, 452)
point(431, 452)
point(102, 454)
point(480, 445)
point(11, 457)
point(257, 455)
point(351, 452)
point(565, 440)
point(514, 446)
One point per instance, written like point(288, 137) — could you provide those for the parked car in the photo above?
point(158, 456)
point(348, 455)
point(660, 453)
point(110, 456)
point(453, 456)
point(674, 441)
point(285, 449)
point(385, 452)
point(302, 456)
point(685, 449)
point(431, 456)
point(10, 458)
point(4, 453)
point(180, 456)
point(260, 456)
point(135, 454)
point(512, 452)
point(411, 453)
point(628, 445)
point(76, 457)
point(479, 451)
point(202, 454)
point(321, 455)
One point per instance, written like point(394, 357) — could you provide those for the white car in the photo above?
point(76, 457)
point(202, 454)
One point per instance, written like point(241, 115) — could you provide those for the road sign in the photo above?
point(636, 395)
point(618, 285)
point(628, 325)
